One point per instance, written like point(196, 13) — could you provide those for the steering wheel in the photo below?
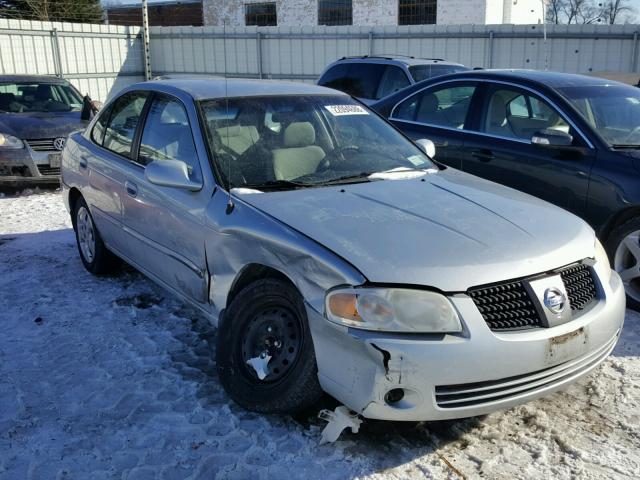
point(336, 156)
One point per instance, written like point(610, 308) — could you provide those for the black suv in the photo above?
point(371, 78)
point(569, 139)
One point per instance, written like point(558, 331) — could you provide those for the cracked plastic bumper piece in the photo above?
point(435, 377)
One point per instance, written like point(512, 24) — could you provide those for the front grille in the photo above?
point(480, 394)
point(580, 286)
point(42, 144)
point(47, 170)
point(508, 306)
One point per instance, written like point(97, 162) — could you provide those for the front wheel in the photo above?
point(265, 355)
point(93, 253)
point(623, 247)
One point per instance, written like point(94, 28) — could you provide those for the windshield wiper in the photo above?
point(626, 146)
point(274, 185)
point(351, 178)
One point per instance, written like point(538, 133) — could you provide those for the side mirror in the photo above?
point(427, 146)
point(552, 138)
point(171, 173)
point(87, 109)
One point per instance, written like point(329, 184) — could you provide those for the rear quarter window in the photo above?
point(335, 77)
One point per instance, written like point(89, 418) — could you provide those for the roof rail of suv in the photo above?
point(391, 57)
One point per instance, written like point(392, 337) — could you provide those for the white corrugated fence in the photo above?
point(101, 59)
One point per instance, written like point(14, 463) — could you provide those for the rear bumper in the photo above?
point(473, 373)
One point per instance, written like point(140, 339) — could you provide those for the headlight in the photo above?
point(392, 310)
point(9, 141)
point(602, 259)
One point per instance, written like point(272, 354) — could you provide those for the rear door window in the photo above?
point(123, 122)
point(364, 78)
point(97, 133)
point(444, 106)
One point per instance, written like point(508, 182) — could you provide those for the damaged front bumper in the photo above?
point(443, 376)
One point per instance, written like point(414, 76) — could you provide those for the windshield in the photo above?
point(614, 111)
point(423, 72)
point(302, 141)
point(38, 97)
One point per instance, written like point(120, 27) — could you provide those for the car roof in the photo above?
point(212, 88)
point(394, 60)
point(550, 79)
point(31, 78)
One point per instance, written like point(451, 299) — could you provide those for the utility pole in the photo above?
point(145, 40)
point(544, 34)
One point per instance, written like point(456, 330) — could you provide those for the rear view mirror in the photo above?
point(552, 138)
point(427, 146)
point(171, 173)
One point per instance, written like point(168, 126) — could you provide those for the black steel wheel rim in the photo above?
point(277, 331)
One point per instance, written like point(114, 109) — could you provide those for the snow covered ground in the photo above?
point(113, 378)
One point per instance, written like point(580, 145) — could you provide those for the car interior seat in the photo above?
point(496, 122)
point(43, 93)
point(428, 110)
point(300, 155)
point(238, 137)
point(8, 103)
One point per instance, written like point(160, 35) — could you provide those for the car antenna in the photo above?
point(226, 114)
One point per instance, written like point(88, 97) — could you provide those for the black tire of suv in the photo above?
point(103, 261)
point(298, 389)
point(611, 245)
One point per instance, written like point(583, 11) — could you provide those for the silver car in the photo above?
point(335, 256)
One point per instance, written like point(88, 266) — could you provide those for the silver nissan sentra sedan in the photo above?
point(335, 256)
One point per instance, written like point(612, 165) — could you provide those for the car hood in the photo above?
point(40, 124)
point(451, 231)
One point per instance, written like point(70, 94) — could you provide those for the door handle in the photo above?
point(483, 155)
point(131, 188)
point(83, 162)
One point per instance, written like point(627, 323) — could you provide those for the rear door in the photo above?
point(500, 148)
point(104, 163)
point(165, 225)
point(442, 114)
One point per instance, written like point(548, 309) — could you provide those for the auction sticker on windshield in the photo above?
point(338, 110)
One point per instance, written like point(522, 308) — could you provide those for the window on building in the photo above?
point(417, 12)
point(260, 14)
point(335, 12)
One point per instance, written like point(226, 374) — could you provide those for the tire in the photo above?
point(93, 253)
point(291, 385)
point(623, 247)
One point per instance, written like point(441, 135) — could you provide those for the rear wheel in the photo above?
point(623, 247)
point(265, 354)
point(93, 253)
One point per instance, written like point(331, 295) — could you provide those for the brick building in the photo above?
point(178, 13)
point(370, 12)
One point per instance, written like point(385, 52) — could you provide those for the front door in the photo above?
point(501, 150)
point(165, 225)
point(440, 114)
